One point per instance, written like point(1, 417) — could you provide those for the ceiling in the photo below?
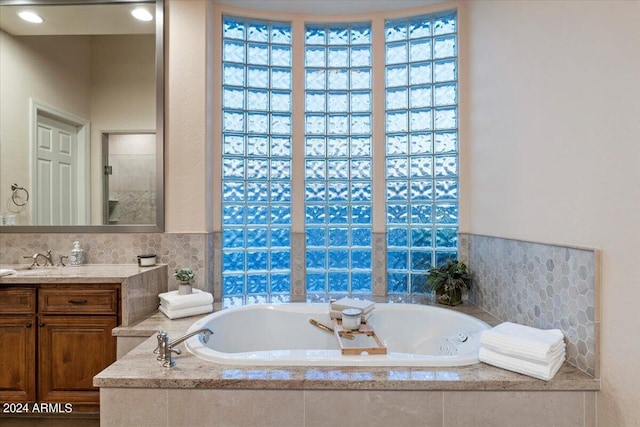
point(93, 19)
point(98, 19)
point(326, 7)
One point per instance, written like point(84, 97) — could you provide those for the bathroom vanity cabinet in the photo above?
point(18, 343)
point(52, 349)
point(56, 329)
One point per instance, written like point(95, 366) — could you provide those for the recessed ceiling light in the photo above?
point(30, 16)
point(142, 14)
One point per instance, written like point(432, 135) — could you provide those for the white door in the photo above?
point(56, 173)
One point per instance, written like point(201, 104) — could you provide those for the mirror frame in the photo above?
point(160, 140)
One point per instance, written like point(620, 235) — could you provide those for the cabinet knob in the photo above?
point(28, 325)
point(41, 324)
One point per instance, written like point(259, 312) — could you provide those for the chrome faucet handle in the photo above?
point(49, 258)
point(163, 350)
point(61, 263)
point(163, 340)
point(34, 257)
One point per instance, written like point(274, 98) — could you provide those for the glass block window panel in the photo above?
point(421, 121)
point(256, 161)
point(338, 179)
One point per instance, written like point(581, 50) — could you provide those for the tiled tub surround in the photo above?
point(195, 392)
point(546, 286)
point(177, 250)
point(139, 286)
point(540, 285)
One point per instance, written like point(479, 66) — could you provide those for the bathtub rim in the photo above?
point(332, 358)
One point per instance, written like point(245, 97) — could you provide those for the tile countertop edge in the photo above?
point(139, 369)
point(84, 274)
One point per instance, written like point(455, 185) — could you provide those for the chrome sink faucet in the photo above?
point(48, 259)
point(165, 347)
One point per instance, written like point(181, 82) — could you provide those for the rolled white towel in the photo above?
point(186, 312)
point(173, 301)
point(542, 371)
point(524, 341)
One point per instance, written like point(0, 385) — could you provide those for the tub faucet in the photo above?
point(165, 347)
point(48, 259)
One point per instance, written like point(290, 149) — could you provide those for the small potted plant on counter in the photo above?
point(448, 280)
point(185, 276)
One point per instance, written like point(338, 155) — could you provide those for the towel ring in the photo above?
point(15, 198)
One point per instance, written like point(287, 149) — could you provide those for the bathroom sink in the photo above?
point(38, 271)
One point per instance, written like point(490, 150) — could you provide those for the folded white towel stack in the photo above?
point(175, 306)
point(186, 312)
point(365, 307)
point(535, 352)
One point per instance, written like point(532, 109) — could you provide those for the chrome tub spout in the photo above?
point(166, 347)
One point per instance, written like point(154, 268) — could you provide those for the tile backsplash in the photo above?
point(193, 250)
point(539, 285)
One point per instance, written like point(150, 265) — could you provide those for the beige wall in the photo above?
point(187, 162)
point(553, 152)
point(54, 71)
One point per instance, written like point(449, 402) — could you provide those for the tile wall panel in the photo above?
point(539, 285)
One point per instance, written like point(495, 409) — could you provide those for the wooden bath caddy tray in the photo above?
point(365, 330)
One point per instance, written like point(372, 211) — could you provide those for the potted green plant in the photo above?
point(448, 280)
point(185, 276)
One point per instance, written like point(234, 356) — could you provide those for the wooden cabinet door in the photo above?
point(72, 350)
point(17, 359)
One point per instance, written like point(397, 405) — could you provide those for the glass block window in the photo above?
point(256, 160)
point(421, 147)
point(338, 179)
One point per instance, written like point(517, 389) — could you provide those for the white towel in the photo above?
point(520, 353)
point(541, 371)
point(524, 341)
point(7, 271)
point(186, 312)
point(173, 301)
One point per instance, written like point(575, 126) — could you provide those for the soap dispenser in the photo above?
point(77, 255)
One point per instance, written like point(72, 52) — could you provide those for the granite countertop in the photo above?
point(87, 273)
point(139, 369)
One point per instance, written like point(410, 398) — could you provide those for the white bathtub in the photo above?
point(281, 335)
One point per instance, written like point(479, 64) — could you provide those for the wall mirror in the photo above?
point(81, 116)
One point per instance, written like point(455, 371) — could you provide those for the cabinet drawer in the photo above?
point(17, 300)
point(85, 301)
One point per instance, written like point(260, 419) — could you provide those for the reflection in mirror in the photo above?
point(129, 178)
point(85, 75)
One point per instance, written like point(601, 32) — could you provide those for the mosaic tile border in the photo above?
point(540, 285)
